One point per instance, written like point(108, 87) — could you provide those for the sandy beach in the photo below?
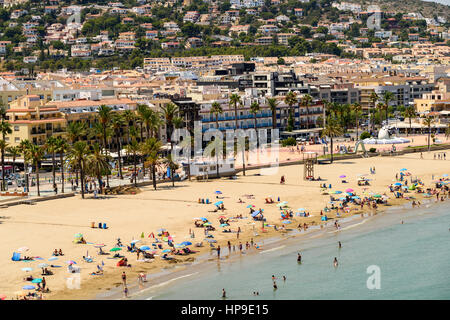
point(52, 225)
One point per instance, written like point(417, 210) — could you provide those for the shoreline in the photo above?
point(182, 202)
point(168, 274)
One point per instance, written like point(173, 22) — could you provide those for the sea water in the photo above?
point(412, 260)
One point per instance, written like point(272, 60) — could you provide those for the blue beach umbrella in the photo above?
point(218, 203)
point(286, 221)
point(135, 241)
point(37, 280)
point(403, 169)
point(28, 287)
point(143, 248)
point(301, 209)
point(218, 192)
point(224, 225)
point(52, 259)
point(397, 184)
point(342, 198)
point(250, 206)
point(337, 192)
point(203, 219)
point(165, 251)
point(445, 175)
point(186, 243)
point(355, 197)
point(254, 214)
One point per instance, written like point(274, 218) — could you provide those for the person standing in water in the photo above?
point(340, 245)
point(224, 294)
point(335, 262)
point(299, 258)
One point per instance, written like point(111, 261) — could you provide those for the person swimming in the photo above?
point(335, 262)
point(299, 258)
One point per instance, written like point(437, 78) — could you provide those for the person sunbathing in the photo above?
point(55, 253)
point(60, 251)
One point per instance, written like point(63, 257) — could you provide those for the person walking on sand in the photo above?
point(125, 291)
point(218, 252)
point(124, 278)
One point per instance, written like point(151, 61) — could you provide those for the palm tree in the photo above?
point(78, 154)
point(75, 131)
point(447, 131)
point(24, 148)
point(373, 99)
point(36, 154)
point(117, 123)
point(5, 128)
point(380, 107)
point(273, 103)
point(134, 149)
point(14, 152)
point(129, 117)
point(332, 129)
point(235, 99)
point(61, 148)
point(97, 164)
point(216, 145)
point(216, 109)
point(170, 111)
point(95, 132)
point(3, 146)
point(105, 114)
point(387, 97)
point(51, 146)
point(356, 107)
point(155, 122)
point(306, 102)
point(254, 109)
point(428, 121)
point(409, 112)
point(152, 148)
point(290, 100)
point(142, 110)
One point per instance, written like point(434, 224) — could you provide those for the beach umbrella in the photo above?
point(342, 176)
point(397, 184)
point(203, 219)
point(254, 214)
point(165, 239)
point(78, 235)
point(224, 225)
point(218, 192)
point(99, 245)
point(349, 190)
point(286, 221)
point(342, 198)
point(38, 258)
point(211, 240)
point(377, 196)
point(445, 175)
point(179, 245)
point(207, 224)
point(37, 280)
point(144, 248)
point(337, 192)
point(71, 262)
point(43, 265)
point(355, 197)
point(186, 243)
point(52, 259)
point(23, 249)
point(115, 249)
point(27, 269)
point(135, 241)
point(218, 203)
point(165, 251)
point(2, 297)
point(29, 287)
point(161, 230)
point(250, 206)
point(403, 169)
point(222, 217)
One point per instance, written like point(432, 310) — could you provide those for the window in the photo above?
point(16, 139)
point(16, 128)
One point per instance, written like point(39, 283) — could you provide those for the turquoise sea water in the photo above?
point(413, 257)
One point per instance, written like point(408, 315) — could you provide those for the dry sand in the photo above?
point(52, 224)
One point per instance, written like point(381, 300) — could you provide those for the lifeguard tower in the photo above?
point(309, 159)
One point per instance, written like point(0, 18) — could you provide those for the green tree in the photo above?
point(36, 154)
point(5, 128)
point(332, 129)
point(78, 153)
point(152, 148)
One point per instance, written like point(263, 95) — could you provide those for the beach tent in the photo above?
point(16, 256)
point(324, 218)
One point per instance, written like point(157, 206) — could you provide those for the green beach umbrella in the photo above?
point(115, 249)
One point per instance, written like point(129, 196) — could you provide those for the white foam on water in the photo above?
point(273, 249)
